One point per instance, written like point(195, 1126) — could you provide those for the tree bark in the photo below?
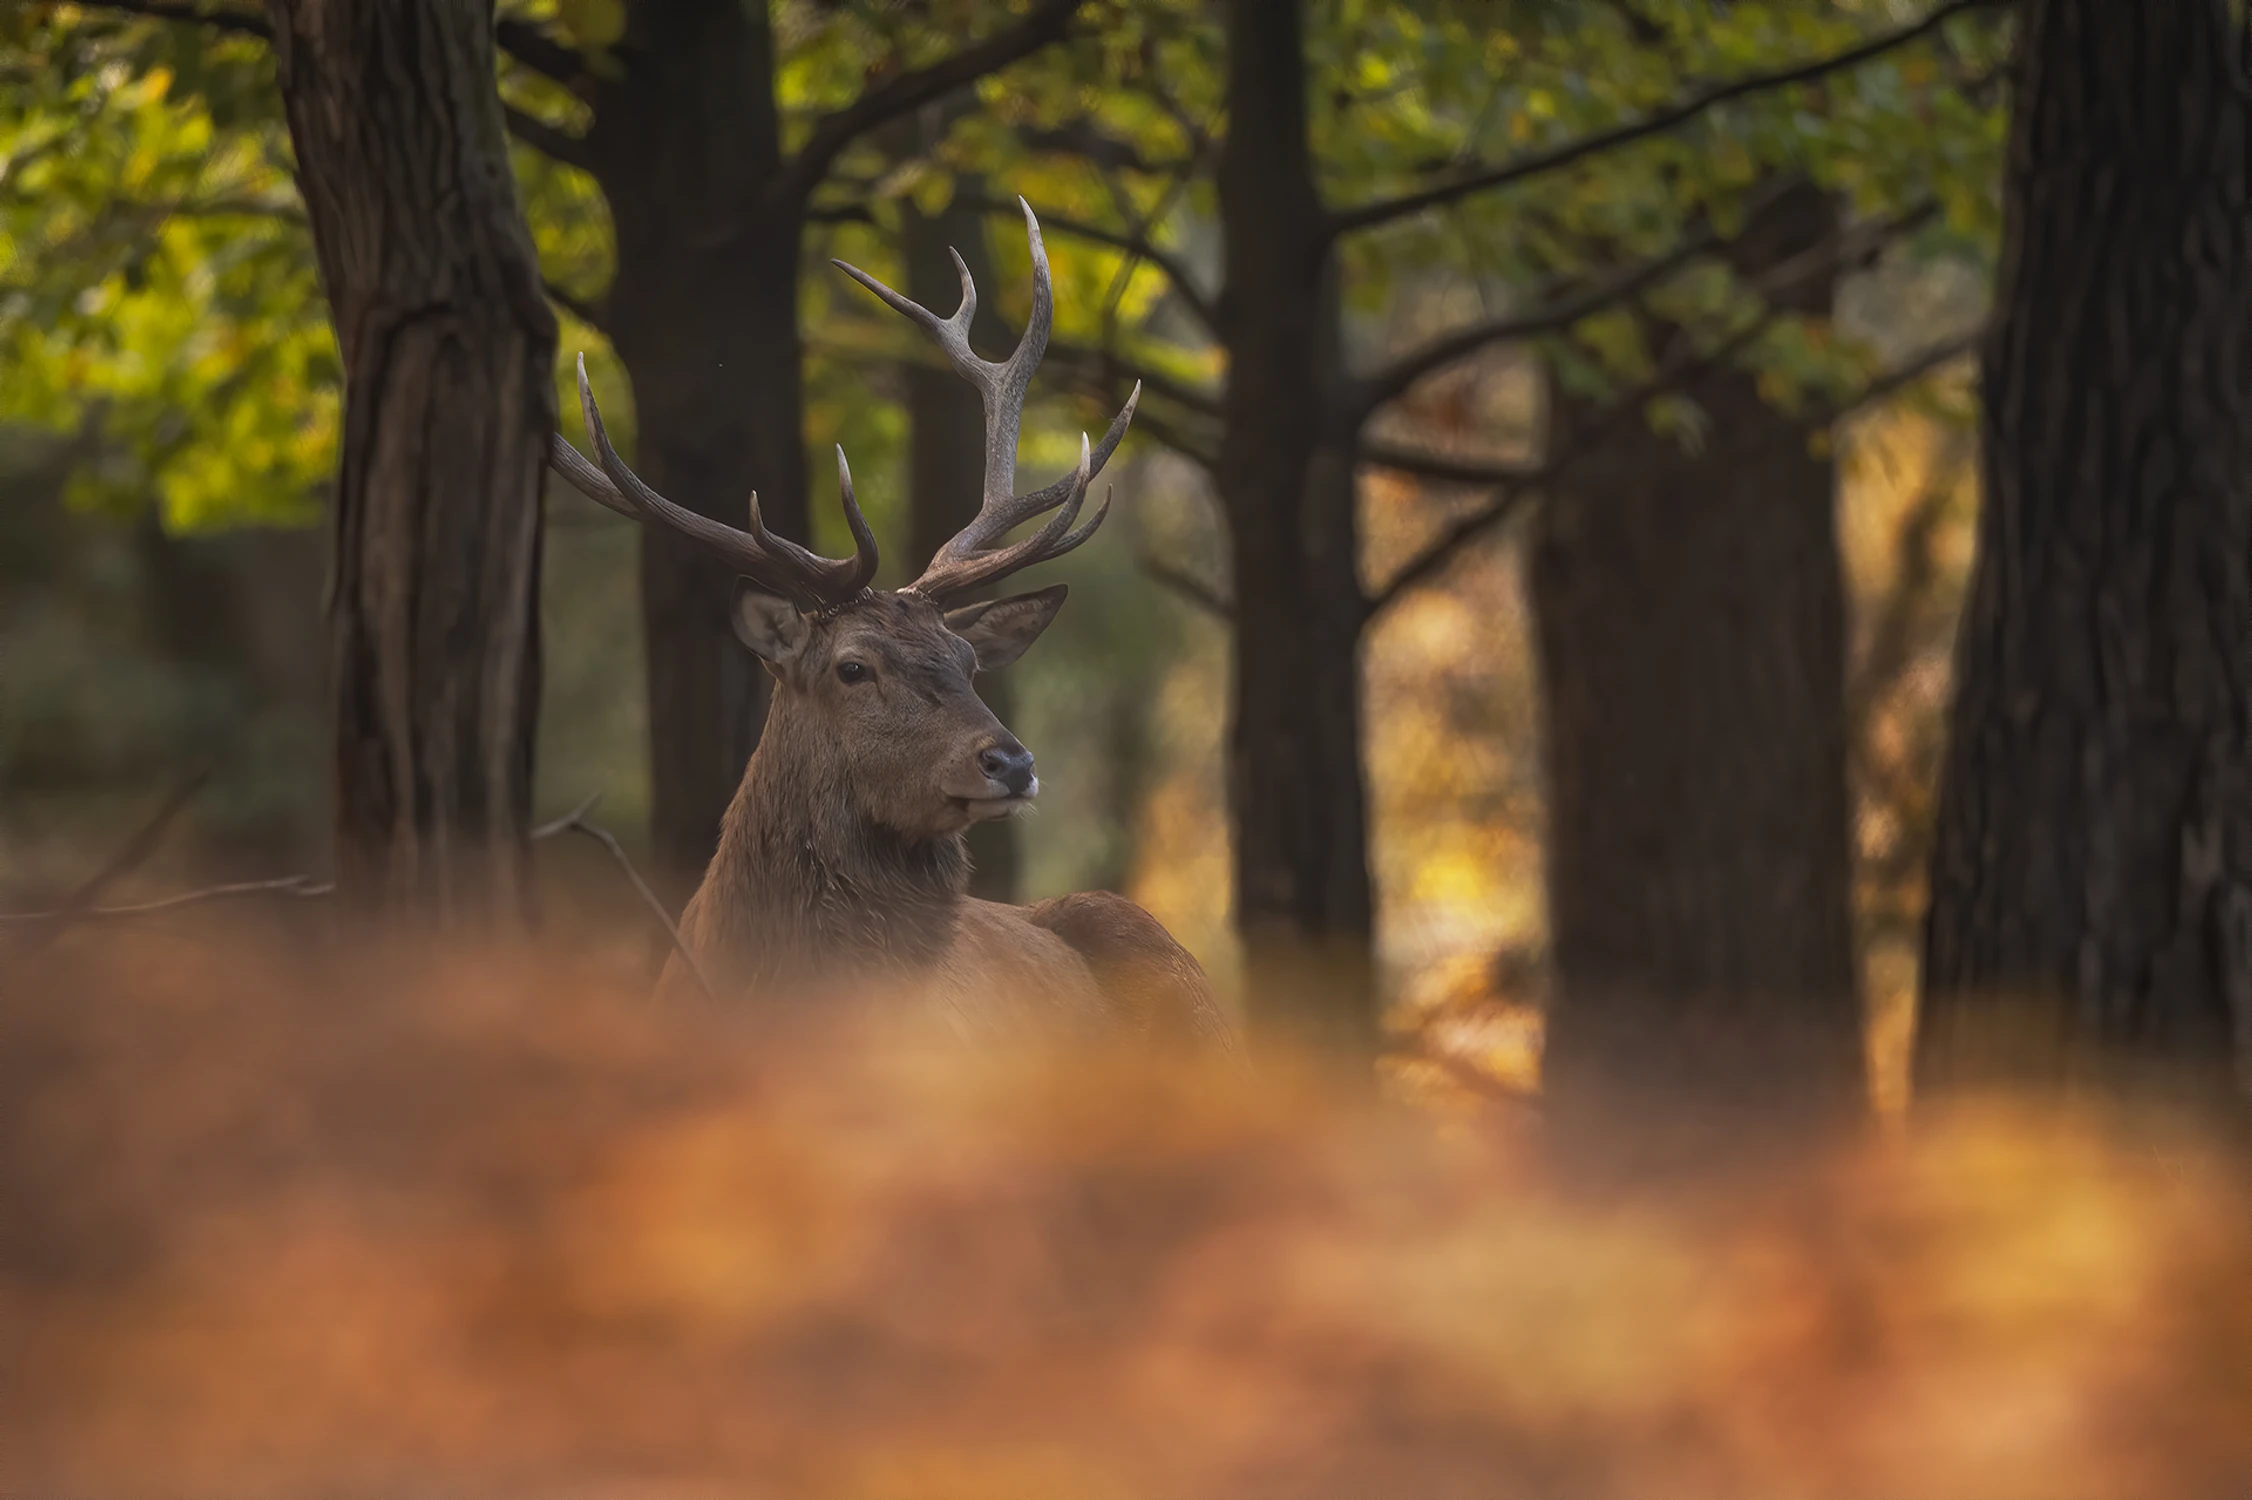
point(1689, 611)
point(448, 351)
point(1303, 903)
point(946, 453)
point(2091, 909)
point(703, 312)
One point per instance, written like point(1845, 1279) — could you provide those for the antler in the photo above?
point(810, 581)
point(971, 558)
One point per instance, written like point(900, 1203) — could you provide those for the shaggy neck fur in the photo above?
point(805, 886)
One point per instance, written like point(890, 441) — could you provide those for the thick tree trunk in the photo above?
point(2091, 910)
point(1302, 895)
point(449, 352)
point(946, 455)
point(1690, 617)
point(704, 314)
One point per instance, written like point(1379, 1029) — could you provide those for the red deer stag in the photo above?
point(841, 859)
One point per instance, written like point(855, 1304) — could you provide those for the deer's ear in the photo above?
point(770, 626)
point(1001, 629)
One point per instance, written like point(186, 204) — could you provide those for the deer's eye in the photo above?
point(852, 671)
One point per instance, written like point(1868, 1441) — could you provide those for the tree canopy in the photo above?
point(1555, 163)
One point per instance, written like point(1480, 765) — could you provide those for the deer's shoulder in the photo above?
point(1002, 974)
point(1152, 984)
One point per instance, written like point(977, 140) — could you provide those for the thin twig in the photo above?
point(1555, 316)
point(1110, 362)
point(575, 821)
point(287, 885)
point(1831, 257)
point(130, 856)
point(1435, 556)
point(1188, 586)
point(1909, 371)
point(1186, 444)
point(78, 906)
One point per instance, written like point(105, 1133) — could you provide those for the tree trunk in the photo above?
point(946, 452)
point(1302, 895)
point(2091, 907)
point(1690, 618)
point(704, 315)
point(449, 351)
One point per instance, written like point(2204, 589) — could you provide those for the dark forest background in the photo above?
point(1575, 435)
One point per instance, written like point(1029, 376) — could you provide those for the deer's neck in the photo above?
point(805, 886)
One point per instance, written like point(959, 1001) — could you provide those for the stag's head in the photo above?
point(882, 676)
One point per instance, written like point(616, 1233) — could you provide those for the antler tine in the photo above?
point(945, 577)
point(585, 477)
point(809, 580)
point(1049, 496)
point(863, 566)
point(968, 558)
point(1005, 389)
point(952, 334)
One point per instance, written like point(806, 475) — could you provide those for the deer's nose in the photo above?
point(1009, 764)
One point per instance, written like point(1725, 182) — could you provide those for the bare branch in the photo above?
point(220, 18)
point(1441, 550)
point(1554, 158)
point(575, 821)
point(1436, 466)
point(551, 141)
point(1181, 442)
point(1845, 249)
point(1197, 133)
point(1878, 390)
point(1395, 378)
point(1512, 496)
point(911, 90)
point(1907, 373)
point(1107, 362)
point(1085, 139)
point(530, 44)
point(1187, 586)
point(1184, 285)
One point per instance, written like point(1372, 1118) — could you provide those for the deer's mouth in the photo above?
point(989, 809)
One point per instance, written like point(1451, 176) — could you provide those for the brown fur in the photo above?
point(841, 861)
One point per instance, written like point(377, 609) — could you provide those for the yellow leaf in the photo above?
point(932, 192)
point(592, 24)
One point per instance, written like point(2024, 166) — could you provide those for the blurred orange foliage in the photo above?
point(273, 1222)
